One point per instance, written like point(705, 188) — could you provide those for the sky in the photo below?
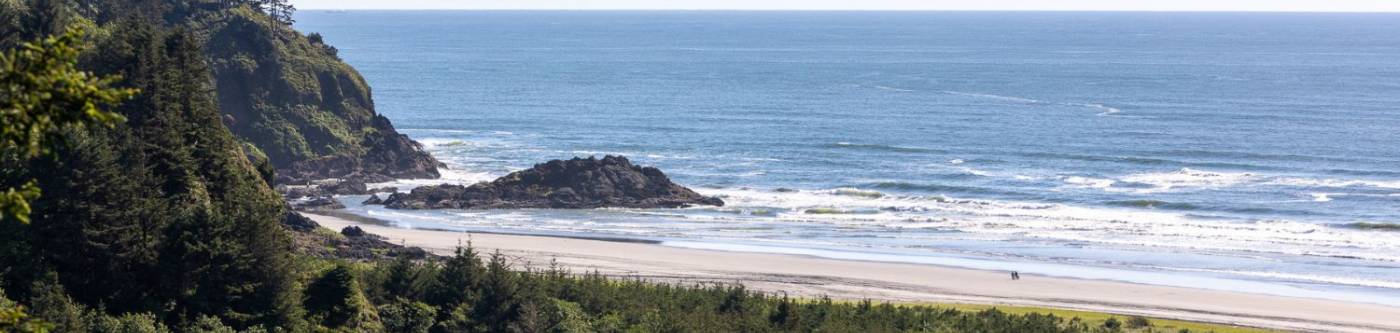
point(1090, 5)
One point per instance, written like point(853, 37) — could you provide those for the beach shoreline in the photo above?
point(811, 276)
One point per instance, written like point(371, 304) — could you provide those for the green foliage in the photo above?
point(1138, 322)
point(403, 316)
point(11, 12)
point(129, 323)
point(553, 300)
point(568, 317)
point(41, 92)
point(500, 301)
point(14, 202)
point(1113, 324)
point(51, 302)
point(289, 94)
point(162, 215)
point(334, 301)
point(208, 324)
point(460, 275)
point(14, 318)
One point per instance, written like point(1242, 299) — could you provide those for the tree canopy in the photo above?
point(42, 91)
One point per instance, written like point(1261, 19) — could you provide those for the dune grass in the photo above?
point(1158, 324)
point(1098, 318)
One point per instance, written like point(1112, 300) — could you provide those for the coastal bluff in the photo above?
point(612, 181)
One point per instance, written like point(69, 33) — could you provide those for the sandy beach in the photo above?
point(842, 279)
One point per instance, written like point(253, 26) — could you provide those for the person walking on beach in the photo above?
point(1015, 275)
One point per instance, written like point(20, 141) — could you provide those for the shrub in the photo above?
point(403, 316)
point(1113, 324)
point(1138, 322)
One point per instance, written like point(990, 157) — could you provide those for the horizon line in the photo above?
point(872, 10)
point(850, 10)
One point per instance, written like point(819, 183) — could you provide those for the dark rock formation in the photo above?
point(389, 189)
point(299, 223)
point(293, 193)
point(373, 200)
point(319, 203)
point(578, 183)
point(352, 231)
point(393, 157)
point(360, 245)
point(353, 244)
point(346, 187)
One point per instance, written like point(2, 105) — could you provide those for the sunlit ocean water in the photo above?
point(1235, 151)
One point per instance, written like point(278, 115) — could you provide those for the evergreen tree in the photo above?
point(50, 303)
point(163, 214)
point(499, 305)
point(14, 318)
point(404, 316)
point(41, 93)
point(331, 297)
point(402, 280)
point(334, 301)
point(455, 284)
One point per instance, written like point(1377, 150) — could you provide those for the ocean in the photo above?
point(1238, 151)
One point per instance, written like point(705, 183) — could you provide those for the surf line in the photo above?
point(1105, 110)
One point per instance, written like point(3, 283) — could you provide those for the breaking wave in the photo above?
point(879, 147)
point(1104, 110)
point(1193, 179)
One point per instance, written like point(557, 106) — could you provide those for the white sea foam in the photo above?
point(996, 97)
point(1297, 277)
point(1107, 110)
point(431, 143)
point(449, 176)
point(1193, 179)
point(1104, 110)
point(975, 172)
point(1080, 224)
point(1190, 178)
point(1334, 183)
point(893, 89)
point(1088, 182)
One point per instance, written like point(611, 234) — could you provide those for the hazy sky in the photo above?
point(1153, 5)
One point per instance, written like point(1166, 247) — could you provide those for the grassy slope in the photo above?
point(1097, 318)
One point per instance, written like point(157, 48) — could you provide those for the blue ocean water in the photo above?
point(1167, 148)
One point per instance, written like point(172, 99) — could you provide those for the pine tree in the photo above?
point(459, 278)
point(402, 280)
point(42, 93)
point(334, 300)
point(331, 298)
point(499, 305)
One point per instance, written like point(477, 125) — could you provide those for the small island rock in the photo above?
point(577, 183)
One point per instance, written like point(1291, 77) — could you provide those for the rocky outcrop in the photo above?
point(577, 183)
point(391, 155)
point(320, 203)
point(346, 187)
point(374, 199)
point(299, 223)
point(352, 243)
point(297, 106)
point(352, 231)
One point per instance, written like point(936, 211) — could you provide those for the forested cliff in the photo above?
point(171, 212)
point(310, 114)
